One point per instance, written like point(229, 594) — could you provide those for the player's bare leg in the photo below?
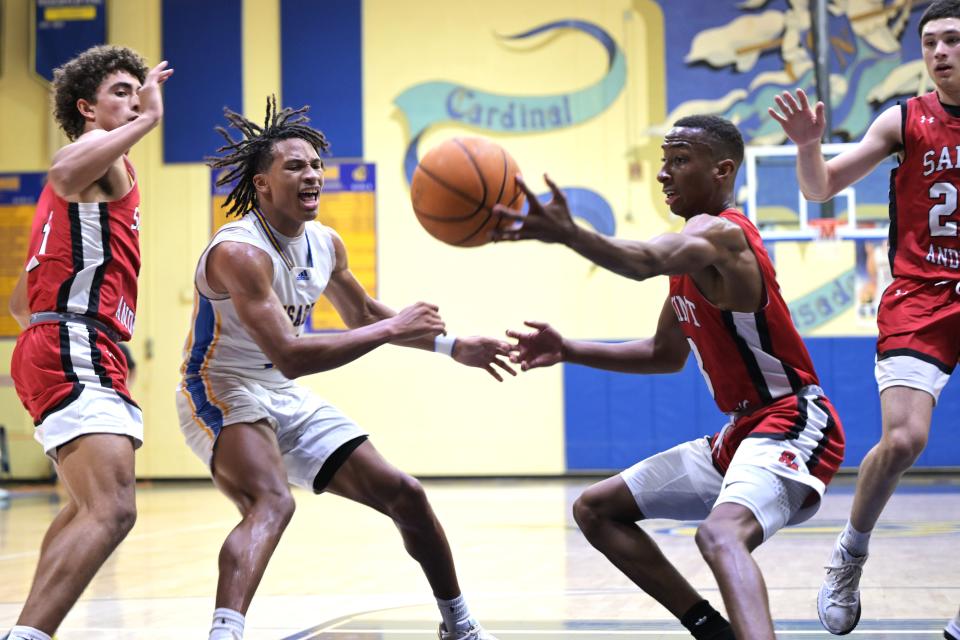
point(248, 469)
point(607, 514)
point(98, 472)
point(906, 427)
point(67, 513)
point(366, 477)
point(726, 539)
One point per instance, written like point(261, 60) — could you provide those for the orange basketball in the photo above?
point(456, 186)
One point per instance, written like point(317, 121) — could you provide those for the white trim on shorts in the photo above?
point(683, 484)
point(96, 410)
point(907, 371)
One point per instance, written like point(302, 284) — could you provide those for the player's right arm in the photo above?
point(81, 163)
point(820, 179)
point(19, 304)
point(245, 273)
point(665, 352)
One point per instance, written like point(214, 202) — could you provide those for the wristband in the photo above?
point(444, 344)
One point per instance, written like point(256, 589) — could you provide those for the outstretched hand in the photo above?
point(482, 352)
point(802, 124)
point(151, 102)
point(419, 320)
point(548, 223)
point(542, 347)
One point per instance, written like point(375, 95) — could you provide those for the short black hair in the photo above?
point(938, 10)
point(253, 152)
point(81, 77)
point(723, 136)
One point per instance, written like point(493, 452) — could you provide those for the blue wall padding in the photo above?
point(613, 419)
point(322, 65)
point(196, 94)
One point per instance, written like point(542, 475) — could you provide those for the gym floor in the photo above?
point(341, 572)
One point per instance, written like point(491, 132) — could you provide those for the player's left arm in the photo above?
point(699, 245)
point(357, 308)
point(705, 241)
point(19, 304)
point(349, 298)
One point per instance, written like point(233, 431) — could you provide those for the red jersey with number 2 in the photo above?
point(924, 239)
point(85, 257)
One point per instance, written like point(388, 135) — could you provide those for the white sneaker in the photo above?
point(474, 632)
point(838, 602)
point(952, 631)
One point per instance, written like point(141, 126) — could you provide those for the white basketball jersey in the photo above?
point(218, 341)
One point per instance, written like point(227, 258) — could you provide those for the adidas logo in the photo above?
point(303, 275)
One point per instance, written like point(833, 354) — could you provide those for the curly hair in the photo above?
point(81, 77)
point(253, 152)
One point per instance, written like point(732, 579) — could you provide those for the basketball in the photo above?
point(457, 184)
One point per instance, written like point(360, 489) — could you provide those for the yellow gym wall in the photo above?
point(427, 414)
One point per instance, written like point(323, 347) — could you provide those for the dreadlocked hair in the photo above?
point(252, 153)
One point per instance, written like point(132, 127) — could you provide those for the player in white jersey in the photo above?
point(239, 409)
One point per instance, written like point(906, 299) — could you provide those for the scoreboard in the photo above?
point(19, 193)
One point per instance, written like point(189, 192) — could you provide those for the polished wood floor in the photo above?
point(341, 572)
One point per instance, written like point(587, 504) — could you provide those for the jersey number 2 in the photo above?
point(938, 227)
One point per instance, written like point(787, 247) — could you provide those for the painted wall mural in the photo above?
point(733, 60)
point(430, 103)
point(738, 56)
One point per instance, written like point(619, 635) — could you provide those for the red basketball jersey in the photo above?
point(85, 257)
point(924, 240)
point(747, 359)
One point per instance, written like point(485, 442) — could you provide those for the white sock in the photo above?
point(854, 542)
point(227, 624)
point(455, 613)
point(953, 627)
point(27, 633)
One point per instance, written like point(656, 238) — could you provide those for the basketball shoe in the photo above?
point(473, 632)
point(952, 632)
point(838, 602)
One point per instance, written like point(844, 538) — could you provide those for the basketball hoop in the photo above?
point(826, 228)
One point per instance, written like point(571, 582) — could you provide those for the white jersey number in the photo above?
point(943, 209)
point(34, 263)
point(706, 376)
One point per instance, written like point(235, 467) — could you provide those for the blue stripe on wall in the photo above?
point(203, 41)
point(613, 420)
point(321, 64)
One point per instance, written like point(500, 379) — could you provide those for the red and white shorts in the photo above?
point(919, 341)
point(775, 461)
point(72, 379)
